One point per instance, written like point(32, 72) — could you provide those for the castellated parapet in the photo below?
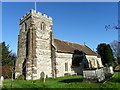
point(36, 15)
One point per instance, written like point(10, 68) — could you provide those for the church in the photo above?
point(38, 51)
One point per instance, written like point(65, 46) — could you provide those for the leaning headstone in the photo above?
point(1, 81)
point(42, 77)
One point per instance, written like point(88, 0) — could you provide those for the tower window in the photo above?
point(66, 66)
point(27, 45)
point(42, 26)
point(25, 27)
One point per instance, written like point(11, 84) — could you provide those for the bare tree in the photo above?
point(115, 48)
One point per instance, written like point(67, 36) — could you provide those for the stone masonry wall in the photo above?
point(21, 53)
point(43, 45)
point(34, 45)
point(61, 59)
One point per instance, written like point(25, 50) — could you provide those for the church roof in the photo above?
point(69, 47)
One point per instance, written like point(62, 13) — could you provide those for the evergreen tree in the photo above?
point(7, 56)
point(106, 54)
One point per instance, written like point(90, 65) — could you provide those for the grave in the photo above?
point(1, 81)
point(42, 77)
point(108, 71)
point(96, 75)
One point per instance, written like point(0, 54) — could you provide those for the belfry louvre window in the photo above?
point(66, 66)
point(42, 26)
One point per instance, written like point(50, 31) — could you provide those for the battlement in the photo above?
point(36, 15)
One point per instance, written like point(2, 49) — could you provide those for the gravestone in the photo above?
point(42, 77)
point(1, 81)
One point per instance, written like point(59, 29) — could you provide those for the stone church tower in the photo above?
point(34, 46)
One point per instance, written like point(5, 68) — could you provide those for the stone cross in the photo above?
point(42, 77)
point(1, 81)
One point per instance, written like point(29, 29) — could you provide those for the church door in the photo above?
point(24, 68)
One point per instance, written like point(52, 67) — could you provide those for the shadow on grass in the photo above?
point(115, 80)
point(116, 70)
point(72, 80)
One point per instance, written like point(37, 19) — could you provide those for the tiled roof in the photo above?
point(69, 47)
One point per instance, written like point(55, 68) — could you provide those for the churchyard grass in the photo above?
point(63, 82)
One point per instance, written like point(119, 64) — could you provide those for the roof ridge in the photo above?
point(70, 47)
point(69, 42)
point(90, 49)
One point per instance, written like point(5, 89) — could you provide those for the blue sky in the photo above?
point(76, 22)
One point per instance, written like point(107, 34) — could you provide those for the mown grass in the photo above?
point(63, 82)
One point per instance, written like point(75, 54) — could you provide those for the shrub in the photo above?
point(21, 77)
point(6, 71)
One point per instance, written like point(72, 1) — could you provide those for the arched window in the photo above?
point(42, 26)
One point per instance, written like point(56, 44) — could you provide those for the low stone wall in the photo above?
point(94, 75)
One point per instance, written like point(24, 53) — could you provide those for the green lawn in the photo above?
point(63, 82)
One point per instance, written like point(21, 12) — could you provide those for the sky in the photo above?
point(78, 22)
